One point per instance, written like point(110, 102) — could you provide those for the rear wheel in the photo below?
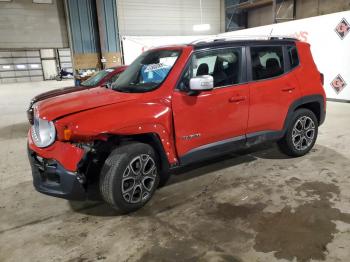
point(129, 176)
point(301, 135)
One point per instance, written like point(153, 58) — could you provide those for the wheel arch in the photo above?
point(151, 139)
point(315, 103)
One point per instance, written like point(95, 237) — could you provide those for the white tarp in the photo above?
point(329, 36)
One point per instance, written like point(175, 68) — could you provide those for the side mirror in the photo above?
point(201, 83)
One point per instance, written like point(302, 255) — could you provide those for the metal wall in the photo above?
point(83, 25)
point(108, 25)
point(166, 17)
point(84, 33)
point(24, 24)
point(109, 33)
point(304, 8)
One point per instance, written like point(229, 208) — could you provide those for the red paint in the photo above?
point(215, 115)
point(270, 100)
point(66, 154)
point(72, 89)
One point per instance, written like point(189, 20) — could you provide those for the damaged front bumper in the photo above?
point(51, 178)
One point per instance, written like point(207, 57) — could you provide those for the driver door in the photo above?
point(212, 121)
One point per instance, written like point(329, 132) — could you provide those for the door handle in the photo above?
point(236, 99)
point(288, 89)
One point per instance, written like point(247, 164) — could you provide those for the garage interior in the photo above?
point(253, 205)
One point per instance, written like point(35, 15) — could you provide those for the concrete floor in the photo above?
point(256, 205)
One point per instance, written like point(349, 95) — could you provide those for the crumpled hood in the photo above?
point(59, 106)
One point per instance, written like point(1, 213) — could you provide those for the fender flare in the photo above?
point(161, 137)
point(319, 99)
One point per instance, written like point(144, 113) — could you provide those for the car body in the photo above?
point(174, 106)
point(102, 77)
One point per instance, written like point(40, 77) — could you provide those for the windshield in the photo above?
point(96, 78)
point(147, 72)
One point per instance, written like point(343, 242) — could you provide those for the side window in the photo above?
point(267, 62)
point(293, 56)
point(223, 65)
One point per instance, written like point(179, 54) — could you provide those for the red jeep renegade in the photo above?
point(171, 107)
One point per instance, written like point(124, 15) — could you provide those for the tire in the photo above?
point(129, 177)
point(301, 134)
point(163, 178)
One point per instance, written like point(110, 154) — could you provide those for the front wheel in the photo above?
point(129, 176)
point(301, 134)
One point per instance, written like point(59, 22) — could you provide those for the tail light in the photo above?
point(322, 78)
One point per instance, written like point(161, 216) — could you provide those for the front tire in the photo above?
point(129, 177)
point(301, 134)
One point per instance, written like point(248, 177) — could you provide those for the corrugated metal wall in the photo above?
point(166, 17)
point(24, 24)
point(82, 16)
point(107, 19)
point(94, 33)
point(108, 30)
point(84, 33)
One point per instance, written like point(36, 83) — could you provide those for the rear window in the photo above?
point(267, 62)
point(293, 56)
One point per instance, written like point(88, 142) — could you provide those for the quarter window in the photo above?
point(267, 62)
point(223, 65)
point(293, 56)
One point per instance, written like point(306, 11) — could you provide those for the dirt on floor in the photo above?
point(254, 205)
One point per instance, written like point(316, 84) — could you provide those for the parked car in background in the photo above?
point(103, 77)
point(174, 106)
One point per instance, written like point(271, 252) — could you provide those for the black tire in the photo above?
point(289, 144)
point(163, 178)
point(119, 171)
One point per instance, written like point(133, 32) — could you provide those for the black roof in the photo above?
point(224, 42)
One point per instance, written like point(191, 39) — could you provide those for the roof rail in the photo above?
point(217, 38)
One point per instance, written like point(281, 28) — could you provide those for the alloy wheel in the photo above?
point(139, 179)
point(303, 133)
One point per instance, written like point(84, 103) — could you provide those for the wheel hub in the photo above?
point(303, 133)
point(139, 179)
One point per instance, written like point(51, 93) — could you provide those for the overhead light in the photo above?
point(201, 27)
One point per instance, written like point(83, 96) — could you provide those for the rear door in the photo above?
point(212, 118)
point(273, 87)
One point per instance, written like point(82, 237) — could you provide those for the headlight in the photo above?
point(43, 132)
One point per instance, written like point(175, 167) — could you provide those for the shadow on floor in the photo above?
point(265, 151)
point(14, 131)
